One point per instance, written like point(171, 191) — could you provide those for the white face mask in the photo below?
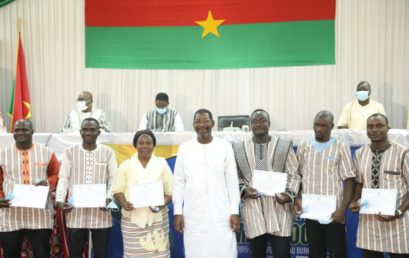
point(82, 105)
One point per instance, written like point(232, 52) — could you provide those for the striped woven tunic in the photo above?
point(390, 236)
point(26, 167)
point(80, 166)
point(323, 172)
point(264, 215)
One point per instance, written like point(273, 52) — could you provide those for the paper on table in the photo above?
point(89, 196)
point(269, 183)
point(318, 207)
point(145, 195)
point(30, 196)
point(375, 201)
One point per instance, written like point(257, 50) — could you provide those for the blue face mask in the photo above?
point(362, 95)
point(161, 110)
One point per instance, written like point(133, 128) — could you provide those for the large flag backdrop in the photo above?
point(20, 107)
point(209, 34)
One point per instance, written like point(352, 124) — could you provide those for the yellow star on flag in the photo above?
point(210, 25)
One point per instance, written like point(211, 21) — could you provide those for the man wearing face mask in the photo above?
point(356, 112)
point(162, 119)
point(84, 110)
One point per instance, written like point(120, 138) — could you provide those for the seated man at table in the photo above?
point(356, 112)
point(382, 165)
point(84, 110)
point(162, 118)
point(326, 168)
point(86, 164)
point(26, 163)
point(266, 219)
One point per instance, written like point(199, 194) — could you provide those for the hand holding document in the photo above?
point(375, 201)
point(89, 196)
point(145, 195)
point(269, 183)
point(318, 207)
point(30, 196)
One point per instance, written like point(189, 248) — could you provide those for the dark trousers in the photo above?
point(326, 238)
point(279, 245)
point(374, 254)
point(39, 238)
point(77, 238)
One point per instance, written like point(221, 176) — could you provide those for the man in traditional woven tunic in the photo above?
point(87, 163)
point(26, 162)
point(382, 165)
point(84, 110)
point(266, 219)
point(162, 118)
point(326, 168)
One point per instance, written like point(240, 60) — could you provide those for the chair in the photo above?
point(232, 122)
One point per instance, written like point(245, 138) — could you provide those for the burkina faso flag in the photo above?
point(209, 34)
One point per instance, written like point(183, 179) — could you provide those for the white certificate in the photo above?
point(269, 183)
point(375, 201)
point(30, 196)
point(89, 196)
point(145, 195)
point(318, 207)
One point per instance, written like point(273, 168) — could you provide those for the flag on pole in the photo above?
point(209, 34)
point(20, 98)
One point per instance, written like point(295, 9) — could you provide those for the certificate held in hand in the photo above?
point(375, 201)
point(318, 207)
point(145, 195)
point(89, 196)
point(30, 196)
point(269, 183)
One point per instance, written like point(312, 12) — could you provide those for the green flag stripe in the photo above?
point(239, 46)
point(11, 107)
point(5, 2)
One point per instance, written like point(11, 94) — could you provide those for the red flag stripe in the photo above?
point(21, 103)
point(186, 12)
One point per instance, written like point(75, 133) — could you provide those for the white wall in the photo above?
point(372, 43)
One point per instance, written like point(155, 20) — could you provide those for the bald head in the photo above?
point(86, 97)
point(24, 123)
point(378, 116)
point(363, 85)
point(262, 112)
point(23, 134)
point(325, 114)
point(323, 124)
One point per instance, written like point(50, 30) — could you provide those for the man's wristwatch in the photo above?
point(399, 213)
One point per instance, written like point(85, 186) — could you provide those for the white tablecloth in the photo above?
point(59, 141)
